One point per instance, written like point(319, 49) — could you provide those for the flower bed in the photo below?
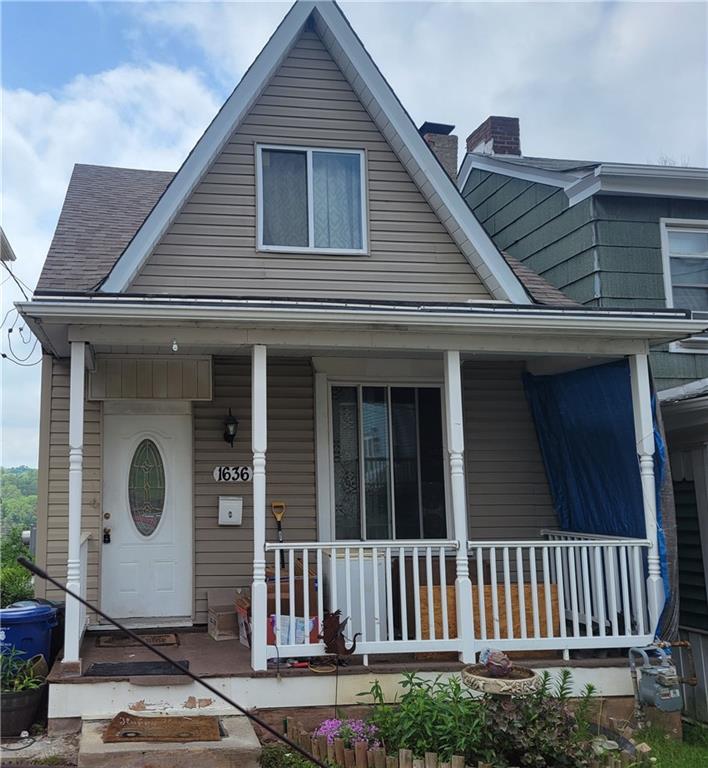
point(441, 724)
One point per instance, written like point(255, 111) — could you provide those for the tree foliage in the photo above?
point(18, 497)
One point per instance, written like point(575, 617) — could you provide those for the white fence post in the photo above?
point(259, 591)
point(455, 447)
point(644, 433)
point(71, 663)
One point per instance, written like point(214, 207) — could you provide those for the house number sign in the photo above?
point(232, 474)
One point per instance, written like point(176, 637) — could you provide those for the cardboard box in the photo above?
point(296, 628)
point(221, 607)
point(243, 618)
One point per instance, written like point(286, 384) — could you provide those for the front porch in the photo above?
point(497, 572)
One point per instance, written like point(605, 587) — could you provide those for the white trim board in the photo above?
point(387, 112)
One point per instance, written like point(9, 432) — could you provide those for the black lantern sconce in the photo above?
point(230, 429)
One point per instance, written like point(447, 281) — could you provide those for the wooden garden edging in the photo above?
point(362, 757)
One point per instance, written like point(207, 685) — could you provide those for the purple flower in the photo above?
point(350, 731)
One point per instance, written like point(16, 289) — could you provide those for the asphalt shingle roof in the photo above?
point(544, 163)
point(105, 206)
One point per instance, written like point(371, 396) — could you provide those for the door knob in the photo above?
point(106, 535)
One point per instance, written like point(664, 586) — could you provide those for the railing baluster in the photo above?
point(443, 593)
point(611, 581)
point(333, 596)
point(507, 594)
point(495, 596)
point(403, 592)
point(416, 594)
point(573, 586)
point(348, 586)
point(534, 592)
point(389, 596)
point(587, 601)
point(306, 594)
point(291, 596)
point(481, 601)
point(522, 590)
point(377, 607)
point(600, 577)
point(277, 562)
point(431, 592)
point(362, 595)
point(637, 584)
point(561, 595)
point(320, 591)
point(547, 588)
point(626, 610)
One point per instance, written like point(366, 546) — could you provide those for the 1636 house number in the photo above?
point(232, 474)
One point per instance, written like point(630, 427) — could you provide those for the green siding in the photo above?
point(603, 252)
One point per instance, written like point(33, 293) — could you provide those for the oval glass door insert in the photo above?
point(146, 487)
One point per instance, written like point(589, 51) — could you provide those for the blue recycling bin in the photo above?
point(28, 629)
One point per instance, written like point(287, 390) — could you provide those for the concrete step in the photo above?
point(240, 748)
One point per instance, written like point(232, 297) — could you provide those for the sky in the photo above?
point(135, 84)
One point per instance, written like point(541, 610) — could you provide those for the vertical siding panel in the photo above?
point(144, 379)
point(174, 379)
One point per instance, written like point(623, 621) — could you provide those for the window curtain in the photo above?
point(337, 200)
point(284, 198)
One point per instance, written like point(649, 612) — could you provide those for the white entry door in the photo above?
point(146, 571)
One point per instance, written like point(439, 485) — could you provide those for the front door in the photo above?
point(146, 571)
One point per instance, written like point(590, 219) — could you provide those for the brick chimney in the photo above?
point(496, 136)
point(439, 137)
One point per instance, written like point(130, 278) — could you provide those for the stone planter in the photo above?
point(521, 682)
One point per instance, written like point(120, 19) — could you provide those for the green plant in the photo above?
point(669, 752)
point(431, 716)
point(15, 581)
point(17, 673)
point(541, 729)
point(279, 756)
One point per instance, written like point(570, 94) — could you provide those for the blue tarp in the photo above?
point(585, 426)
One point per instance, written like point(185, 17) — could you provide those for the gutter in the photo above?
point(664, 324)
point(693, 389)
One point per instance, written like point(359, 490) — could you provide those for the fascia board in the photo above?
point(525, 173)
point(207, 148)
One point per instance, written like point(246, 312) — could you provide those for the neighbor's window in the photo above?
point(387, 456)
point(311, 199)
point(687, 259)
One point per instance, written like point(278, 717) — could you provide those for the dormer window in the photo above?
point(311, 200)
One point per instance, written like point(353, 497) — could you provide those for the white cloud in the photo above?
point(141, 117)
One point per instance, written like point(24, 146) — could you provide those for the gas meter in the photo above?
point(659, 684)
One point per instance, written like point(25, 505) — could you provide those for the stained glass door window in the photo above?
point(146, 487)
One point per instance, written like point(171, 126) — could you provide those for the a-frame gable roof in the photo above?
point(387, 112)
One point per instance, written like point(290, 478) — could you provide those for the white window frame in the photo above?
point(308, 150)
point(696, 344)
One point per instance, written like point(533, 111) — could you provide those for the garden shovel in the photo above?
point(278, 508)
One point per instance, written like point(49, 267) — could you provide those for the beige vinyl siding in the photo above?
point(151, 378)
point(211, 246)
point(507, 491)
point(55, 536)
point(224, 554)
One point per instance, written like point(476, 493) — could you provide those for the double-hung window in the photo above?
point(387, 462)
point(311, 200)
point(685, 252)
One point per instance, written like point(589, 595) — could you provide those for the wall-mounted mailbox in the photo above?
point(230, 510)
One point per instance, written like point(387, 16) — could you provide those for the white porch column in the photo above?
point(455, 448)
point(259, 597)
point(644, 433)
point(71, 663)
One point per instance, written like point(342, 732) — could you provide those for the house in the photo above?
point(307, 316)
point(616, 235)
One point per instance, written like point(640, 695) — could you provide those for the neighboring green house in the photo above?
point(616, 235)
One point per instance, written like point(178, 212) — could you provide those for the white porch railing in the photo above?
point(562, 592)
point(385, 588)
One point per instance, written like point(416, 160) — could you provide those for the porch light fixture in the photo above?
point(230, 428)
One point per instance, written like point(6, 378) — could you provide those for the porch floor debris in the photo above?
point(228, 658)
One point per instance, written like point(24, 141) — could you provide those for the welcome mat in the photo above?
point(126, 727)
point(134, 668)
point(123, 641)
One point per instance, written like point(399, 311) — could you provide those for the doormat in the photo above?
point(126, 727)
point(134, 668)
point(123, 641)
